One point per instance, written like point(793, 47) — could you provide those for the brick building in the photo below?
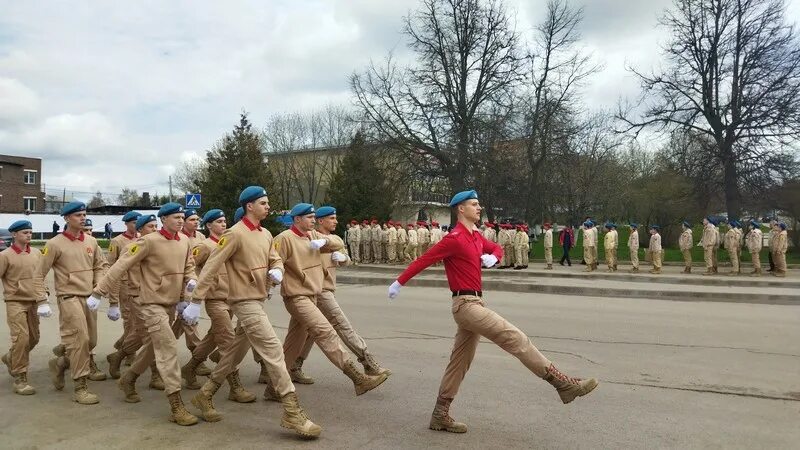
point(21, 184)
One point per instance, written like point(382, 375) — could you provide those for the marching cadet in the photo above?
point(413, 243)
point(366, 242)
point(654, 247)
point(120, 293)
point(685, 243)
point(779, 250)
point(252, 265)
point(377, 242)
point(633, 246)
point(402, 242)
point(754, 244)
point(391, 243)
point(167, 268)
point(18, 265)
point(709, 242)
point(78, 263)
point(300, 250)
point(145, 224)
point(611, 241)
point(465, 251)
point(327, 304)
point(179, 327)
point(548, 245)
point(424, 237)
point(589, 244)
point(221, 333)
point(731, 241)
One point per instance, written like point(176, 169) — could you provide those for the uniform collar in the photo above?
point(250, 225)
point(296, 231)
point(170, 236)
point(18, 250)
point(194, 234)
point(71, 237)
point(128, 236)
point(214, 239)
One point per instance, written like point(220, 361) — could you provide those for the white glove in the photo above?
point(317, 244)
point(338, 257)
point(44, 310)
point(113, 312)
point(488, 260)
point(276, 275)
point(190, 285)
point(394, 290)
point(93, 303)
point(191, 314)
point(181, 306)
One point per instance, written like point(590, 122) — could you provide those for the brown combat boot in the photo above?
point(371, 366)
point(202, 369)
point(95, 374)
point(270, 394)
point(362, 383)
point(129, 360)
point(568, 388)
point(156, 382)
point(214, 356)
point(756, 273)
point(178, 413)
point(263, 376)
point(114, 363)
point(294, 418)
point(189, 374)
point(127, 384)
point(58, 366)
point(21, 385)
point(297, 374)
point(441, 420)
point(238, 393)
point(204, 401)
point(82, 394)
point(7, 361)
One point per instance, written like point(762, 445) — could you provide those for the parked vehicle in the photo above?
point(5, 239)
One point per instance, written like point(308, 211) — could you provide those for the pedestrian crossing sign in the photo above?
point(193, 200)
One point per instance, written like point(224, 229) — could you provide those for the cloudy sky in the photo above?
point(116, 94)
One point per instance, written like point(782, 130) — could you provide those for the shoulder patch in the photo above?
point(222, 241)
point(133, 249)
point(196, 251)
point(276, 245)
point(112, 248)
point(44, 252)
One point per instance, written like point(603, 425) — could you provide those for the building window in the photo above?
point(30, 176)
point(1, 172)
point(29, 203)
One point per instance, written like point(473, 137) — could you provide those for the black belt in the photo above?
point(475, 293)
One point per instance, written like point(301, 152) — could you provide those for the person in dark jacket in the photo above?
point(566, 237)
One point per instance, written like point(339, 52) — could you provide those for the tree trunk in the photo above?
point(732, 200)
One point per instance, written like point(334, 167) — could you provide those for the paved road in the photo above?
point(672, 374)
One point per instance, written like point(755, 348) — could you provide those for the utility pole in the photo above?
point(170, 189)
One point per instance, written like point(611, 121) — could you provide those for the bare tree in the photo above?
point(733, 75)
point(190, 175)
point(467, 67)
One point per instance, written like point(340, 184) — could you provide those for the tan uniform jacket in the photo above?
point(436, 235)
point(116, 248)
point(354, 234)
point(424, 236)
point(772, 235)
point(303, 272)
point(781, 242)
point(655, 243)
point(247, 255)
point(18, 272)
point(402, 236)
point(165, 264)
point(589, 237)
point(329, 265)
point(611, 240)
point(201, 252)
point(685, 241)
point(633, 240)
point(413, 238)
point(754, 240)
point(384, 236)
point(731, 240)
point(548, 238)
point(377, 236)
point(77, 264)
point(366, 234)
point(391, 234)
point(709, 238)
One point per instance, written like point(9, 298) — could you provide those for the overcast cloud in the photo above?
point(117, 94)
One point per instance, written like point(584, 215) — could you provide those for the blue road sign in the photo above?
point(193, 200)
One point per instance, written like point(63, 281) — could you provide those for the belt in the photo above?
point(475, 293)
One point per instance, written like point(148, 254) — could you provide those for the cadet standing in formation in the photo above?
point(754, 244)
point(465, 250)
point(521, 248)
point(366, 242)
point(18, 264)
point(548, 245)
point(413, 242)
point(377, 243)
point(424, 236)
point(685, 244)
point(402, 241)
point(709, 243)
point(589, 245)
point(633, 246)
point(391, 243)
point(731, 246)
point(654, 247)
point(611, 241)
point(779, 249)
point(78, 264)
point(354, 240)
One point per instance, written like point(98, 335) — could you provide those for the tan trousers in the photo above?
point(401, 252)
point(657, 255)
point(326, 302)
point(611, 258)
point(734, 256)
point(366, 251)
point(411, 252)
point(474, 320)
point(127, 314)
point(525, 253)
point(179, 327)
point(687, 258)
point(635, 258)
point(391, 252)
point(377, 255)
point(519, 258)
point(308, 320)
point(133, 340)
point(254, 330)
point(548, 255)
point(355, 251)
point(221, 332)
point(756, 259)
point(780, 261)
point(508, 255)
point(588, 255)
point(161, 345)
point(708, 256)
point(23, 323)
point(77, 326)
point(715, 257)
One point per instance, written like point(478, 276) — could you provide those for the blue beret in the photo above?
point(212, 215)
point(190, 212)
point(251, 194)
point(237, 216)
point(755, 224)
point(301, 209)
point(131, 215)
point(463, 196)
point(634, 225)
point(144, 220)
point(73, 207)
point(87, 223)
point(687, 224)
point(654, 227)
point(169, 209)
point(325, 211)
point(782, 225)
point(20, 225)
point(588, 224)
point(609, 225)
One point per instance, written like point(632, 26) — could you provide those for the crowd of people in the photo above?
point(157, 280)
